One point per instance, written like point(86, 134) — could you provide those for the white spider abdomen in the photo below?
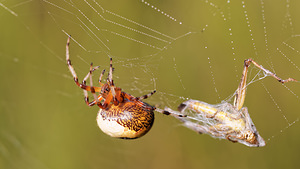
point(114, 129)
point(126, 120)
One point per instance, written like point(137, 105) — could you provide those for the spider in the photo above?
point(121, 115)
point(225, 120)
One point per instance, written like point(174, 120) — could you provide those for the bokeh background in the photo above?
point(44, 122)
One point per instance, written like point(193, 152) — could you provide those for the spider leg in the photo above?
point(86, 98)
point(132, 98)
point(110, 73)
point(168, 111)
point(111, 84)
point(93, 89)
point(145, 96)
point(92, 103)
point(107, 101)
point(101, 75)
point(241, 91)
point(138, 101)
point(119, 98)
point(72, 70)
point(88, 75)
point(83, 84)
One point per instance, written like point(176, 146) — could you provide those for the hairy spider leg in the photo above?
point(138, 101)
point(108, 98)
point(241, 91)
point(111, 84)
point(92, 69)
point(86, 93)
point(168, 111)
point(93, 89)
point(101, 75)
point(72, 70)
point(146, 95)
point(83, 84)
point(86, 98)
point(70, 64)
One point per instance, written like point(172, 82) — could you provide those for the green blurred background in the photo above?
point(44, 122)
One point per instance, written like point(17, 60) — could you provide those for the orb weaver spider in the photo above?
point(121, 115)
point(224, 120)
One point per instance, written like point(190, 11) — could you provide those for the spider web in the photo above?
point(184, 50)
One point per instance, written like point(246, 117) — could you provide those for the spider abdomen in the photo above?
point(127, 120)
